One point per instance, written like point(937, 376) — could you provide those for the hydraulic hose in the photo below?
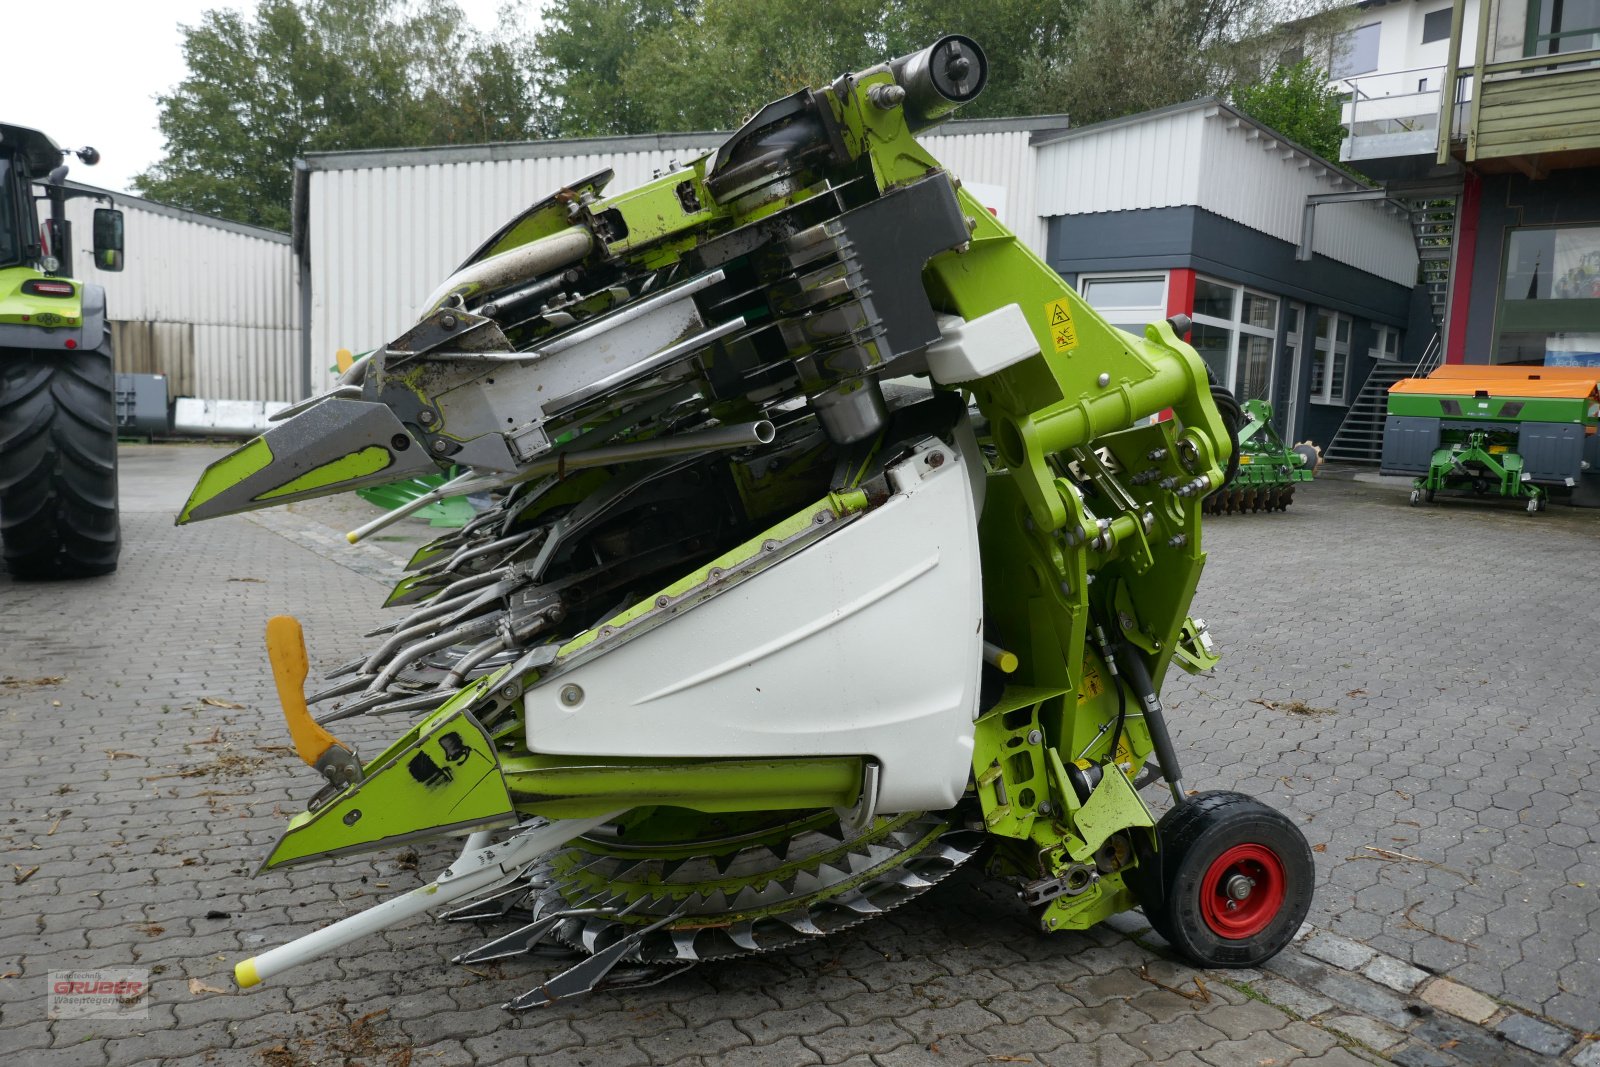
point(1138, 675)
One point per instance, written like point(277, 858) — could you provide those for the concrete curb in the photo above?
point(1388, 1008)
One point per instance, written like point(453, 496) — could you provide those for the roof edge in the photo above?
point(496, 151)
point(1202, 103)
point(183, 214)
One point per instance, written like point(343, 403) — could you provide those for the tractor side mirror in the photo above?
point(107, 238)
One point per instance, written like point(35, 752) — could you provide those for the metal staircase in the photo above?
point(1433, 227)
point(1360, 435)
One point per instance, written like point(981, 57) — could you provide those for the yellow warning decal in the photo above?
point(1125, 754)
point(1062, 333)
point(1091, 686)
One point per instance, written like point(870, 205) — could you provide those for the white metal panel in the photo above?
point(1262, 182)
point(1129, 166)
point(215, 306)
point(1003, 159)
point(382, 238)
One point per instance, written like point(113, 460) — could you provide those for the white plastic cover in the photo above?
point(867, 643)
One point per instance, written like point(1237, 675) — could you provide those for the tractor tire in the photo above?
point(1236, 876)
point(58, 462)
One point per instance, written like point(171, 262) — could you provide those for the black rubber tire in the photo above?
point(1193, 837)
point(58, 462)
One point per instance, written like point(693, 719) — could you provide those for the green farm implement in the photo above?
point(834, 547)
point(1268, 468)
point(1521, 433)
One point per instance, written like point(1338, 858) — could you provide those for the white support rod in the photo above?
point(470, 482)
point(477, 869)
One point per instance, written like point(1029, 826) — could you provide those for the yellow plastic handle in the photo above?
point(286, 650)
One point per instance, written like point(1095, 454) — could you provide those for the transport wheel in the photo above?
point(1416, 498)
point(1237, 877)
point(58, 462)
point(1533, 505)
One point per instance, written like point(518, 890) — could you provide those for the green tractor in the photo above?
point(58, 425)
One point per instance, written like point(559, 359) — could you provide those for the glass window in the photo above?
point(1254, 381)
point(1136, 291)
point(1259, 311)
point(1127, 301)
point(10, 236)
point(1294, 319)
point(1235, 332)
point(1213, 343)
point(1355, 51)
point(1562, 26)
point(1550, 297)
point(1213, 299)
point(1436, 25)
point(1331, 365)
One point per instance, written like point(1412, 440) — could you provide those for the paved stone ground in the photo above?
point(1417, 685)
point(131, 828)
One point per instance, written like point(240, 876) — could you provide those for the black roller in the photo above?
point(948, 73)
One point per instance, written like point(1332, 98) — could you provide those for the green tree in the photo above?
point(1127, 56)
point(306, 75)
point(636, 66)
point(1296, 100)
point(584, 52)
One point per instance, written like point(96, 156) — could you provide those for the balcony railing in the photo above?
point(1385, 117)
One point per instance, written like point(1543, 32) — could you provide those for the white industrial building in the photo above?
point(211, 305)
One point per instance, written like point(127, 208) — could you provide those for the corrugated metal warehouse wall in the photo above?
point(213, 305)
point(385, 227)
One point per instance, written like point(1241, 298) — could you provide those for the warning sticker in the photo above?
point(1062, 333)
point(1091, 686)
point(1124, 753)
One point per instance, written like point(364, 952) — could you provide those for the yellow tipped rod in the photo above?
point(998, 658)
point(476, 870)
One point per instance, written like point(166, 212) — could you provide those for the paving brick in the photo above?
point(1534, 1035)
point(1256, 1049)
point(1588, 1055)
point(1412, 1054)
point(1181, 1035)
point(1369, 1032)
point(1388, 971)
point(1303, 1002)
point(1339, 951)
point(1459, 1001)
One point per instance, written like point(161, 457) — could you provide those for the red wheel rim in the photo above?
point(1242, 891)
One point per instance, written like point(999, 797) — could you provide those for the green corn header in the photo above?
point(834, 547)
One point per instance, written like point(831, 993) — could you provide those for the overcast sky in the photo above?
point(89, 71)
